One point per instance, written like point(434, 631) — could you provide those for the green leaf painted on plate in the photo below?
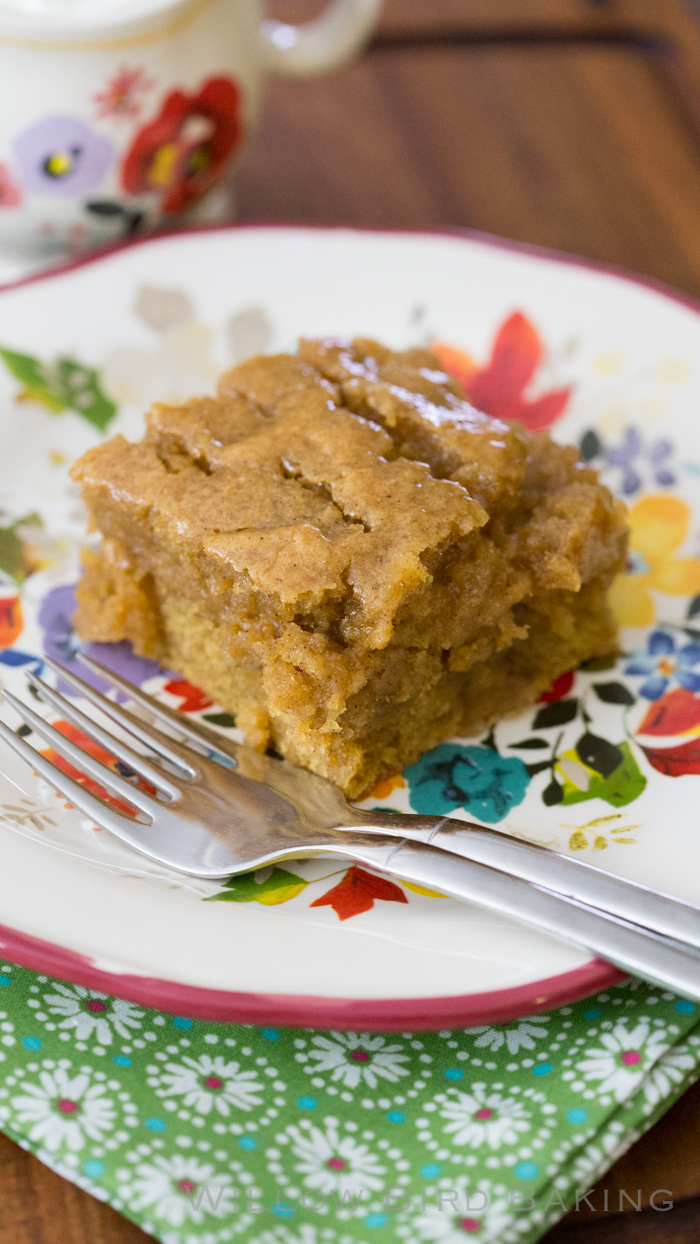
point(599, 754)
point(278, 887)
point(590, 445)
point(598, 663)
point(220, 719)
point(61, 385)
point(15, 561)
point(557, 713)
point(538, 766)
point(613, 693)
point(553, 794)
point(581, 782)
point(12, 554)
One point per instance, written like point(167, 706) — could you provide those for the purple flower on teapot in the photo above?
point(62, 155)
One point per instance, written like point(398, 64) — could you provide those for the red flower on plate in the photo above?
point(357, 893)
point(559, 688)
point(676, 713)
point(183, 151)
point(99, 753)
point(675, 761)
point(499, 387)
point(193, 700)
point(10, 620)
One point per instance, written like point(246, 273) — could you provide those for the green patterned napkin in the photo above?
point(204, 1132)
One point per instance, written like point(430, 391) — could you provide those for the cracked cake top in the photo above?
point(353, 487)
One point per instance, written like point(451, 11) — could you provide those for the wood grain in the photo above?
point(39, 1207)
point(564, 123)
point(585, 147)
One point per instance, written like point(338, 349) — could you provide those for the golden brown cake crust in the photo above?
point(344, 552)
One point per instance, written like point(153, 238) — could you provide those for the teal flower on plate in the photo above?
point(475, 778)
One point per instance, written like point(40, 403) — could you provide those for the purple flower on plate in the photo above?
point(663, 661)
point(62, 643)
point(62, 155)
point(633, 457)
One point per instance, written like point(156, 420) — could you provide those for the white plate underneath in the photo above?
point(605, 360)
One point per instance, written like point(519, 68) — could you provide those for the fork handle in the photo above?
point(636, 950)
point(670, 917)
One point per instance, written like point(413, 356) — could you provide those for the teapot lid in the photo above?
point(44, 21)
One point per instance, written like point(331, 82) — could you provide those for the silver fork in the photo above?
point(549, 869)
point(234, 810)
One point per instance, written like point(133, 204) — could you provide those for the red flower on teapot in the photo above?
point(183, 151)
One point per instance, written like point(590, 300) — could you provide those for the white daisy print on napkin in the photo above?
point(483, 1117)
point(179, 1189)
point(618, 1065)
point(62, 1110)
point(207, 1084)
point(87, 1013)
point(328, 1161)
point(355, 1058)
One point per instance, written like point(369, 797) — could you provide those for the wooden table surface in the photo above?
point(566, 123)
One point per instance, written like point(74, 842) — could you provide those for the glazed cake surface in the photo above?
point(349, 557)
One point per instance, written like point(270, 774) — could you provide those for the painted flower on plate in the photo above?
point(665, 660)
point(11, 620)
point(207, 1084)
point(475, 778)
point(669, 733)
point(632, 461)
point(61, 1112)
point(56, 619)
point(522, 1035)
point(659, 525)
point(619, 1064)
point(502, 386)
point(331, 1162)
point(181, 362)
point(355, 1058)
point(481, 1117)
point(184, 150)
point(62, 155)
point(179, 1189)
point(89, 1013)
point(61, 642)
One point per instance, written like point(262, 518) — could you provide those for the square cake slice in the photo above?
point(349, 557)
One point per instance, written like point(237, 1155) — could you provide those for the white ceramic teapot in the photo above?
point(118, 114)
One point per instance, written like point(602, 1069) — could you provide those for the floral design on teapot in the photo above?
point(10, 192)
point(62, 155)
point(121, 98)
point(183, 151)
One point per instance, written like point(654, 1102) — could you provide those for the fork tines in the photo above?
point(166, 785)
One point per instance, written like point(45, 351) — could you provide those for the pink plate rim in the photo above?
point(306, 1010)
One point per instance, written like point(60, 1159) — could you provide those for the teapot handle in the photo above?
point(321, 44)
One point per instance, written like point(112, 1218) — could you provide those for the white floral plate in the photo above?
point(606, 767)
